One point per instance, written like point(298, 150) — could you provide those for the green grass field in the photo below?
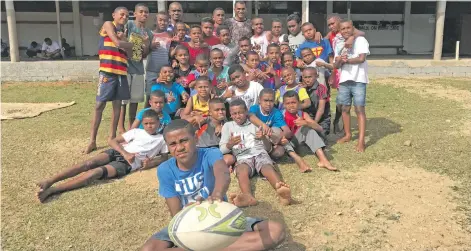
point(392, 197)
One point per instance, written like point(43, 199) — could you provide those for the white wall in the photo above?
point(421, 34)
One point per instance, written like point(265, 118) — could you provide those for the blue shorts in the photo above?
point(112, 87)
point(163, 235)
point(349, 90)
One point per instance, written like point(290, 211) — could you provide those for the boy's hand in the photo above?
point(320, 64)
point(155, 44)
point(218, 130)
point(145, 39)
point(222, 84)
point(129, 157)
point(185, 97)
point(121, 35)
point(300, 121)
point(344, 58)
point(204, 73)
point(233, 140)
point(284, 141)
point(259, 133)
point(170, 98)
point(174, 63)
point(318, 37)
point(300, 63)
point(349, 42)
point(229, 93)
point(145, 163)
point(331, 80)
point(266, 130)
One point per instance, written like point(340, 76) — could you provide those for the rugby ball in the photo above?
point(207, 226)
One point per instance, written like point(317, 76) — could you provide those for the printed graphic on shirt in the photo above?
point(247, 140)
point(137, 41)
point(317, 51)
point(191, 187)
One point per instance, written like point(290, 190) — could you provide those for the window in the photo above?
point(317, 7)
point(279, 7)
point(357, 7)
point(204, 6)
point(423, 7)
point(41, 6)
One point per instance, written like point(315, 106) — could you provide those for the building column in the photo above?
point(77, 28)
point(249, 6)
point(305, 13)
point(406, 26)
point(12, 36)
point(161, 5)
point(330, 10)
point(439, 27)
point(59, 32)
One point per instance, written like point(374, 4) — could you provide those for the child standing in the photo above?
point(157, 103)
point(272, 67)
point(183, 68)
point(252, 68)
point(228, 49)
point(201, 69)
point(245, 141)
point(221, 78)
point(174, 93)
point(260, 39)
point(289, 77)
point(244, 47)
point(305, 129)
point(196, 46)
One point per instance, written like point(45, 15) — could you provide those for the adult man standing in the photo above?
point(353, 81)
point(175, 11)
point(159, 54)
point(276, 32)
point(139, 36)
point(295, 37)
point(218, 18)
point(239, 25)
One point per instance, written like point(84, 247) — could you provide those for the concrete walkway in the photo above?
point(87, 70)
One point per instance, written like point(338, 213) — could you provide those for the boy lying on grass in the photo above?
point(135, 149)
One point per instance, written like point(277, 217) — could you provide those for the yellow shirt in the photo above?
point(200, 106)
point(302, 94)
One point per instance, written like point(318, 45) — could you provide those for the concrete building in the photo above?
point(391, 27)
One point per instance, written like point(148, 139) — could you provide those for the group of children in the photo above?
point(249, 105)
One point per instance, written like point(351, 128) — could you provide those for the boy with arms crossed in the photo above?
point(140, 151)
point(188, 163)
point(113, 82)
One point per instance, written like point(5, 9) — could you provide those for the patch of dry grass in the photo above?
point(432, 175)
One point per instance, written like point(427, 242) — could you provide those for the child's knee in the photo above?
point(277, 232)
point(229, 159)
point(360, 110)
point(242, 170)
point(346, 108)
point(277, 152)
point(100, 106)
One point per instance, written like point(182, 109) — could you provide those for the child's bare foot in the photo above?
point(283, 190)
point(327, 166)
point(43, 194)
point(304, 168)
point(345, 139)
point(244, 200)
point(360, 147)
point(43, 184)
point(90, 148)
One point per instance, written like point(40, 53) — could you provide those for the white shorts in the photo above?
point(136, 88)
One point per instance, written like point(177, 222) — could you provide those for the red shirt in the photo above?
point(194, 52)
point(331, 39)
point(290, 118)
point(212, 40)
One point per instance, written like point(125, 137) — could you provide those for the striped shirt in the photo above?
point(112, 59)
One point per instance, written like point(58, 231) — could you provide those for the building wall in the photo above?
point(465, 35)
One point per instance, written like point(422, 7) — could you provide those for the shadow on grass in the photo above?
point(54, 197)
point(265, 211)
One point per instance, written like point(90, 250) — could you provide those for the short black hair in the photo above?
point(195, 26)
point(235, 68)
point(216, 50)
point(202, 79)
point(239, 2)
point(179, 124)
point(306, 49)
point(244, 39)
point(157, 93)
point(165, 66)
point(222, 27)
point(207, 20)
point(273, 45)
point(238, 102)
point(47, 40)
point(216, 101)
point(181, 47)
point(308, 23)
point(266, 91)
point(295, 16)
point(34, 43)
point(163, 13)
point(252, 53)
point(120, 8)
point(150, 114)
point(218, 8)
point(291, 94)
point(310, 68)
point(141, 5)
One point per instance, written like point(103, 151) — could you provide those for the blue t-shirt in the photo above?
point(322, 50)
point(176, 90)
point(165, 120)
point(187, 185)
point(274, 119)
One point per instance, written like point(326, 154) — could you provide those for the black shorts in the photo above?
point(118, 162)
point(112, 87)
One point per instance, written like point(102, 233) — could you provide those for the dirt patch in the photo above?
point(44, 84)
point(389, 206)
point(67, 146)
point(29, 110)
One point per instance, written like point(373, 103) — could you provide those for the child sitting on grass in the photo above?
point(174, 93)
point(305, 129)
point(242, 88)
point(322, 67)
point(273, 125)
point(157, 103)
point(209, 134)
point(289, 77)
point(135, 149)
point(244, 139)
point(272, 67)
point(197, 109)
point(288, 60)
point(252, 68)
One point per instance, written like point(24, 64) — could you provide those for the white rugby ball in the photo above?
point(207, 226)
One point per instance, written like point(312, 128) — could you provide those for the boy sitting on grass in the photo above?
point(305, 129)
point(273, 125)
point(174, 93)
point(244, 139)
point(157, 103)
point(209, 135)
point(135, 149)
point(197, 109)
point(289, 77)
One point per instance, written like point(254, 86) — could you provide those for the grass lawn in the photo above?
point(392, 197)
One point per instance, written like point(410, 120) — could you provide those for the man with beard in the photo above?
point(240, 26)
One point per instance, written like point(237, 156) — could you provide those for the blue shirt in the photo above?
point(176, 90)
point(274, 119)
point(322, 50)
point(187, 185)
point(165, 120)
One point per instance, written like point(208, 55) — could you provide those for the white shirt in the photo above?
point(321, 71)
point(260, 44)
point(50, 48)
point(250, 96)
point(295, 41)
point(143, 145)
point(355, 72)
